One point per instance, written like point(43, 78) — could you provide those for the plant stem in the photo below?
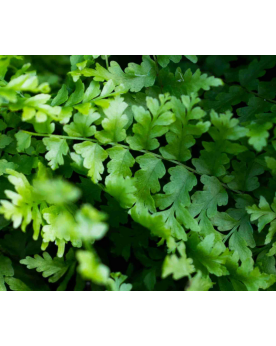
point(126, 147)
point(106, 61)
point(261, 97)
point(229, 234)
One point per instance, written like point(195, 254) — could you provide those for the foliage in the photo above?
point(159, 175)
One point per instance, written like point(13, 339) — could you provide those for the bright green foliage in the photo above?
point(246, 277)
point(82, 125)
point(122, 189)
point(94, 156)
point(165, 169)
point(23, 141)
point(154, 223)
point(192, 58)
point(50, 201)
point(258, 134)
point(62, 96)
point(237, 222)
point(225, 130)
point(180, 83)
point(53, 268)
point(90, 267)
point(25, 82)
point(174, 201)
point(56, 191)
point(209, 254)
point(90, 224)
point(195, 82)
point(147, 181)
point(121, 161)
point(200, 283)
point(4, 164)
point(164, 60)
point(114, 122)
point(134, 78)
point(212, 196)
point(116, 282)
point(271, 164)
point(178, 266)
point(151, 124)
point(188, 124)
point(16, 284)
point(57, 148)
point(265, 214)
point(22, 204)
point(77, 95)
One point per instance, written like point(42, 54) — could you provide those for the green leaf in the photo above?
point(23, 140)
point(20, 209)
point(271, 164)
point(181, 133)
point(179, 267)
point(93, 155)
point(56, 191)
point(192, 58)
point(155, 223)
point(255, 106)
point(57, 148)
point(122, 189)
point(200, 283)
point(81, 126)
point(114, 123)
point(265, 215)
point(174, 201)
point(92, 91)
point(211, 163)
point(4, 164)
point(186, 83)
point(62, 96)
point(3, 125)
point(121, 162)
point(53, 268)
point(208, 254)
point(164, 60)
point(151, 124)
point(245, 173)
point(246, 277)
point(237, 220)
point(90, 225)
point(225, 129)
point(24, 163)
point(17, 284)
point(135, 77)
point(248, 76)
point(5, 141)
point(224, 101)
point(237, 243)
point(258, 134)
point(212, 196)
point(91, 268)
point(77, 95)
point(147, 181)
point(116, 282)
